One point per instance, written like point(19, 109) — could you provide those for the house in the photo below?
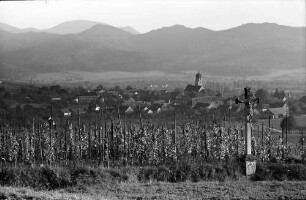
point(97, 108)
point(193, 88)
point(166, 106)
point(202, 100)
point(276, 112)
point(78, 111)
point(56, 99)
point(206, 100)
point(129, 110)
point(159, 102)
point(129, 103)
point(181, 99)
point(66, 112)
point(265, 106)
point(86, 99)
point(140, 104)
point(213, 105)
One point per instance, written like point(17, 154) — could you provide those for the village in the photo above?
point(195, 101)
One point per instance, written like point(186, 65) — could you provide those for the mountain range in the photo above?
point(249, 49)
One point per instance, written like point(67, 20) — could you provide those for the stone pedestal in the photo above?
point(250, 165)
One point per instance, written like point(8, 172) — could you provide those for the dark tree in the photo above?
point(279, 94)
point(288, 122)
point(263, 95)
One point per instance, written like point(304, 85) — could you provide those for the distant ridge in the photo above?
point(249, 49)
point(130, 30)
point(72, 27)
point(69, 27)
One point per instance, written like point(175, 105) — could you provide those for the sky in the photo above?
point(146, 15)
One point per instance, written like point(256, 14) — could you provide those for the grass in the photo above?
point(242, 189)
point(29, 193)
point(191, 179)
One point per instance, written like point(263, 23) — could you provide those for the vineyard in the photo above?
point(123, 142)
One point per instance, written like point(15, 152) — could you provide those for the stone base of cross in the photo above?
point(249, 102)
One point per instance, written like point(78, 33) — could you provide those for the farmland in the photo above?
point(288, 79)
point(293, 136)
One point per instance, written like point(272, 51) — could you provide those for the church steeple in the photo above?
point(198, 80)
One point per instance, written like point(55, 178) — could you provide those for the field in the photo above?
point(293, 136)
point(242, 189)
point(77, 76)
point(285, 79)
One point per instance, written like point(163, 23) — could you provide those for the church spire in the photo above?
point(198, 79)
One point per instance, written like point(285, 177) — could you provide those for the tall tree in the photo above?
point(288, 122)
point(263, 95)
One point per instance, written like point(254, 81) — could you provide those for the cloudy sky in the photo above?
point(145, 15)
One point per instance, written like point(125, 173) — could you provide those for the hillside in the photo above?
point(250, 49)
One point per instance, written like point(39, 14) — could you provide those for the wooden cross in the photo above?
point(249, 102)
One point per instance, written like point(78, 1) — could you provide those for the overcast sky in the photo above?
point(145, 15)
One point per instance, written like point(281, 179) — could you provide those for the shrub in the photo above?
point(118, 175)
point(37, 177)
point(280, 172)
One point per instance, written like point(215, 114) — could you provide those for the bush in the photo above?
point(37, 177)
point(118, 175)
point(160, 173)
point(192, 171)
point(280, 172)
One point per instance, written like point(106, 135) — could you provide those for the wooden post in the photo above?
point(286, 129)
point(40, 143)
point(175, 153)
point(66, 145)
point(206, 149)
point(258, 131)
point(124, 141)
point(107, 143)
point(89, 143)
point(50, 136)
point(302, 141)
point(229, 117)
point(283, 134)
point(112, 148)
point(262, 134)
point(79, 133)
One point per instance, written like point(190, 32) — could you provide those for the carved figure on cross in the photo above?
point(249, 103)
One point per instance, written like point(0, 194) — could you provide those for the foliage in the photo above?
point(288, 123)
point(263, 95)
point(279, 94)
point(280, 172)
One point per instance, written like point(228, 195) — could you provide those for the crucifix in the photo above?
point(249, 103)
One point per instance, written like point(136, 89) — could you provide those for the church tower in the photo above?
point(198, 80)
